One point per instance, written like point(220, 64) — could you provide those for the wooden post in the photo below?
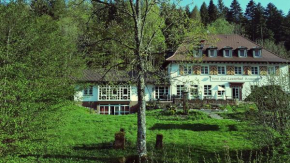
point(119, 140)
point(159, 141)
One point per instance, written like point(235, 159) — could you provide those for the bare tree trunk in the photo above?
point(141, 58)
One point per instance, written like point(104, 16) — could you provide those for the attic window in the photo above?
point(257, 52)
point(197, 52)
point(227, 51)
point(242, 51)
point(212, 51)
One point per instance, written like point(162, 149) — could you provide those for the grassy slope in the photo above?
point(76, 135)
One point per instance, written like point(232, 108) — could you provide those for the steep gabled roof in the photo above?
point(235, 41)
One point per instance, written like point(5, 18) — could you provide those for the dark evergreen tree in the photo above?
point(212, 12)
point(286, 29)
point(261, 32)
point(222, 9)
point(204, 14)
point(235, 13)
point(274, 21)
point(250, 25)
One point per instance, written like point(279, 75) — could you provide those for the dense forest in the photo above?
point(45, 44)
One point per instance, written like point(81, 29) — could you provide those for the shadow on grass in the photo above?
point(192, 127)
point(48, 156)
point(88, 147)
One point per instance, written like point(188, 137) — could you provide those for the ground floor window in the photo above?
point(114, 109)
point(162, 92)
point(194, 91)
point(207, 90)
point(221, 90)
point(179, 90)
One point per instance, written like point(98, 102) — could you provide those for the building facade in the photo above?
point(228, 69)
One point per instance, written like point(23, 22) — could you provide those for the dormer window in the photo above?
point(212, 51)
point(257, 52)
point(227, 51)
point(242, 51)
point(197, 52)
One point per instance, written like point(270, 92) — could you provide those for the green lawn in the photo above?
point(75, 135)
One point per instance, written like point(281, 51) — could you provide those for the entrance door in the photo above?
point(236, 93)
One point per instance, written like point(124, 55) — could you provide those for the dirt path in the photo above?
point(211, 113)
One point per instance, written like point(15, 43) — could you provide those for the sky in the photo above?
point(283, 5)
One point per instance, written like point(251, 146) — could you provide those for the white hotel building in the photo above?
point(226, 70)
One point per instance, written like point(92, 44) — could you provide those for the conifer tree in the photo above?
point(204, 14)
point(212, 12)
point(195, 15)
point(222, 9)
point(249, 20)
point(235, 12)
point(274, 21)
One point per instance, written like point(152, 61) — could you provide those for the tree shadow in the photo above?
point(192, 127)
point(106, 145)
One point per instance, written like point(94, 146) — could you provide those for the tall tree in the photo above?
point(260, 30)
point(195, 15)
point(274, 20)
point(235, 13)
point(204, 14)
point(222, 9)
point(187, 11)
point(212, 12)
point(249, 19)
point(286, 29)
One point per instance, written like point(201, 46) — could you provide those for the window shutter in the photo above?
point(277, 70)
point(197, 69)
point(263, 70)
point(181, 70)
point(230, 70)
point(247, 70)
point(213, 70)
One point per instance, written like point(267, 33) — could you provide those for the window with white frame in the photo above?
point(221, 90)
point(180, 88)
point(204, 70)
point(88, 91)
point(207, 90)
point(221, 70)
point(242, 52)
point(187, 69)
point(255, 70)
point(227, 52)
point(212, 52)
point(194, 91)
point(271, 70)
point(114, 92)
point(238, 70)
point(162, 92)
point(257, 53)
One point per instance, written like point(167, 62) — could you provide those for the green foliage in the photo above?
point(221, 26)
point(38, 62)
